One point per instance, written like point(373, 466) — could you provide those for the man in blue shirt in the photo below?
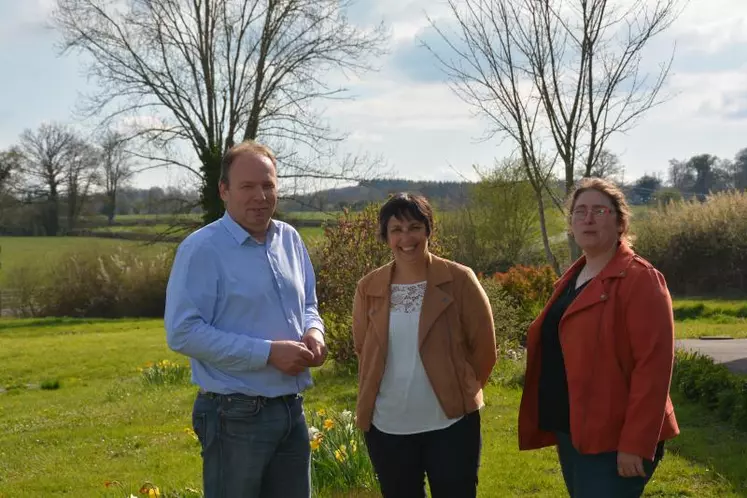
point(241, 303)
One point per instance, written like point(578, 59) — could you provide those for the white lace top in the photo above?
point(406, 403)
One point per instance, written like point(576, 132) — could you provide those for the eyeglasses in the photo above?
point(580, 213)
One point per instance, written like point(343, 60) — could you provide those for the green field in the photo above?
point(105, 425)
point(18, 252)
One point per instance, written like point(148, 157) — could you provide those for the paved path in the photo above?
point(730, 352)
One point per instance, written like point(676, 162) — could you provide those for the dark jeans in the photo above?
point(593, 476)
point(253, 447)
point(449, 457)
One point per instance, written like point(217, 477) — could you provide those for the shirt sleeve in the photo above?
point(650, 324)
point(311, 317)
point(191, 299)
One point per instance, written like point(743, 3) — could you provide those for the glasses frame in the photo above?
point(581, 212)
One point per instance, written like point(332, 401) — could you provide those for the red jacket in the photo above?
point(618, 344)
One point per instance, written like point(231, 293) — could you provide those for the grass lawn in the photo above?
point(104, 424)
point(710, 317)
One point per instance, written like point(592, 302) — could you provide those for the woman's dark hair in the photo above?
point(406, 206)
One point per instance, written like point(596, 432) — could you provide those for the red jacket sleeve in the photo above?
point(650, 325)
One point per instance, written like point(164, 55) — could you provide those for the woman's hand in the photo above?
point(629, 465)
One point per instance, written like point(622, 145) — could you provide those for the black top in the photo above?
point(554, 409)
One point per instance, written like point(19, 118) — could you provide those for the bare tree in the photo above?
point(607, 166)
point(116, 169)
point(567, 73)
point(206, 73)
point(46, 155)
point(81, 174)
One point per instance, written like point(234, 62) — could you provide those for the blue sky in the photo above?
point(406, 113)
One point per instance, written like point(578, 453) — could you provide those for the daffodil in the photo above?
point(328, 424)
point(341, 453)
point(315, 443)
point(320, 412)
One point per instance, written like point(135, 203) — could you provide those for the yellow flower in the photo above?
point(315, 443)
point(191, 432)
point(341, 453)
point(353, 446)
point(320, 412)
point(328, 424)
point(150, 490)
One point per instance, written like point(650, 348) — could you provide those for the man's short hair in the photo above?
point(246, 146)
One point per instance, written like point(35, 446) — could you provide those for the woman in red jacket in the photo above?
point(600, 356)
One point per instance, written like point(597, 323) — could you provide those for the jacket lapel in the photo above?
point(378, 313)
point(597, 290)
point(435, 300)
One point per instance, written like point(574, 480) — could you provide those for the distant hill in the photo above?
point(443, 195)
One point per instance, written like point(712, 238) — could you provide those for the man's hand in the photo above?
point(629, 465)
point(314, 340)
point(290, 357)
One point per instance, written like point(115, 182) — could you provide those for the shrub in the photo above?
point(700, 248)
point(499, 227)
point(122, 283)
point(50, 384)
point(339, 461)
point(701, 380)
point(339, 340)
point(510, 321)
point(529, 286)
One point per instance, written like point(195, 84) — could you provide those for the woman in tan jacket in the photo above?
point(424, 336)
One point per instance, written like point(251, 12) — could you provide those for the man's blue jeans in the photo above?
point(253, 447)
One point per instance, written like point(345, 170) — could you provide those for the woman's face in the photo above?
point(408, 239)
point(594, 223)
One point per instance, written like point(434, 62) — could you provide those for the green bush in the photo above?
point(701, 380)
point(499, 227)
point(510, 321)
point(701, 248)
point(339, 340)
point(88, 283)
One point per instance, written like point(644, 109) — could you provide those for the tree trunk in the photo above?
point(543, 228)
point(51, 216)
point(212, 204)
point(111, 205)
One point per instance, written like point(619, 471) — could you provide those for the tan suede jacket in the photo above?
point(456, 337)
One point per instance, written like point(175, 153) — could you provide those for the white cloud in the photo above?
point(403, 106)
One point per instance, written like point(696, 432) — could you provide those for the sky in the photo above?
point(405, 111)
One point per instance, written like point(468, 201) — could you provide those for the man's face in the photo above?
point(251, 194)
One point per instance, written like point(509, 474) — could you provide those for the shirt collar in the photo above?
point(239, 234)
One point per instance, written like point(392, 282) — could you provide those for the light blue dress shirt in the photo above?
point(229, 296)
